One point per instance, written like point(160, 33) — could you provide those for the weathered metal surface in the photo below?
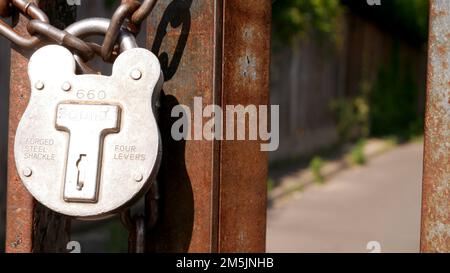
point(435, 235)
point(243, 167)
point(27, 228)
point(34, 12)
point(194, 41)
point(20, 205)
point(181, 34)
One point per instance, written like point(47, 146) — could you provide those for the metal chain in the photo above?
point(138, 225)
point(62, 37)
point(30, 10)
point(130, 15)
point(124, 11)
point(137, 228)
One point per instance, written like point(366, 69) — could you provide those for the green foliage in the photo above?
point(406, 17)
point(352, 117)
point(296, 17)
point(389, 108)
point(357, 155)
point(316, 166)
point(270, 185)
point(394, 101)
point(411, 15)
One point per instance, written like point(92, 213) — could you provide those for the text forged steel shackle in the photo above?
point(98, 26)
point(88, 146)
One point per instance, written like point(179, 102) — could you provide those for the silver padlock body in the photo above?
point(89, 145)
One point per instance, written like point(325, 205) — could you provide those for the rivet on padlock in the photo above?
point(66, 86)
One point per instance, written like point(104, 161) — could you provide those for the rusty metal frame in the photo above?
point(30, 227)
point(435, 233)
point(243, 167)
point(213, 193)
point(20, 205)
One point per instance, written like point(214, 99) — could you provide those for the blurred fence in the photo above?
point(309, 74)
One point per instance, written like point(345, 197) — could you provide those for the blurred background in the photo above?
point(350, 81)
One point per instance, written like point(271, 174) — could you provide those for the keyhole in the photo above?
point(81, 166)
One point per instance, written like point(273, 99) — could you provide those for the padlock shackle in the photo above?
point(99, 26)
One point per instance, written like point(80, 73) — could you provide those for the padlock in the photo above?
point(88, 146)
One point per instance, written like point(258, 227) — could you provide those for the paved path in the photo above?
point(378, 202)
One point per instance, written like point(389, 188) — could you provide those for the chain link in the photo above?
point(142, 12)
point(129, 15)
point(124, 11)
point(137, 228)
point(30, 10)
point(61, 37)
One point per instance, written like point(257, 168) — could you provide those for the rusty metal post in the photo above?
point(30, 227)
point(182, 35)
point(435, 235)
point(243, 167)
point(212, 193)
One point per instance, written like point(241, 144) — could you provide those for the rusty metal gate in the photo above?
point(210, 49)
point(206, 48)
